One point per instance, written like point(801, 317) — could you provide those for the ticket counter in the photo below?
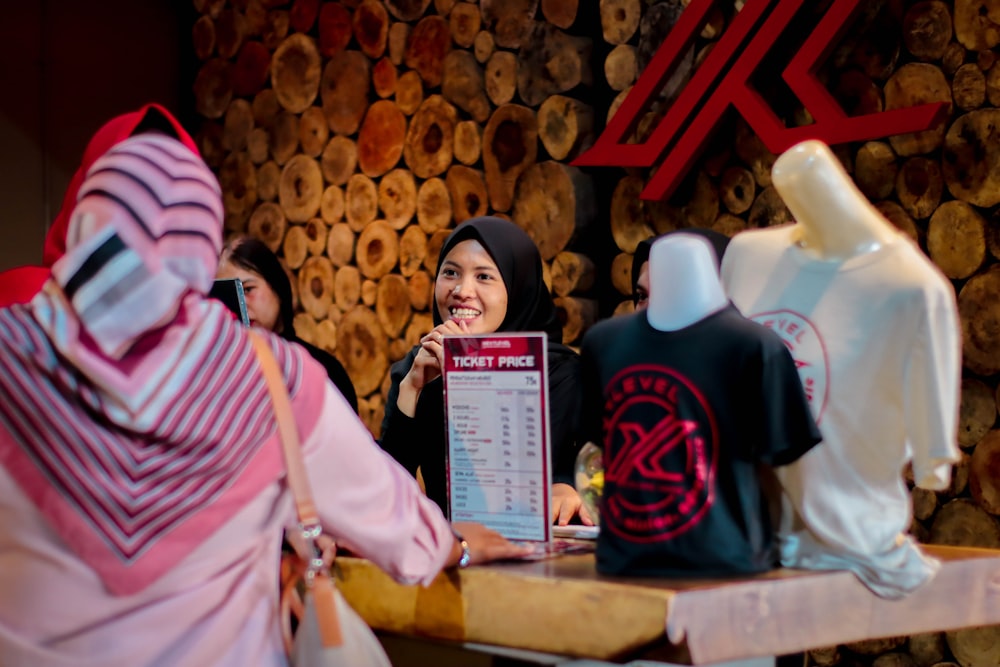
point(560, 609)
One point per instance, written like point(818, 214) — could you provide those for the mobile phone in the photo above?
point(230, 292)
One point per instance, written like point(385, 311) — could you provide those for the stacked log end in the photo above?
point(353, 136)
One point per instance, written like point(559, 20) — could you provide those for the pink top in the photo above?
point(217, 606)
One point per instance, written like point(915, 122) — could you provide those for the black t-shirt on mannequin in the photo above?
point(688, 414)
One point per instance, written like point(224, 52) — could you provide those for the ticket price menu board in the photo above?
point(496, 393)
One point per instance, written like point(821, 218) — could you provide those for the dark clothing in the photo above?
point(421, 441)
point(685, 418)
point(334, 369)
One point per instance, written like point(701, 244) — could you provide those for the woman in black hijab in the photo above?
point(269, 302)
point(489, 280)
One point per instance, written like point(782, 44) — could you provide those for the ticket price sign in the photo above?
point(496, 394)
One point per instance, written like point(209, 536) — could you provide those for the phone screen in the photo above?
point(230, 292)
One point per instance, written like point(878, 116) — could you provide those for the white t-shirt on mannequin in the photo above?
point(684, 282)
point(873, 327)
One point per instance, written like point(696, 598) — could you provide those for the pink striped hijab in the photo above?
point(131, 409)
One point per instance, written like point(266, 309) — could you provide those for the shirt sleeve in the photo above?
point(396, 425)
point(564, 414)
point(789, 429)
point(370, 503)
point(932, 392)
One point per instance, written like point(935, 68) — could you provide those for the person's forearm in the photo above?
point(406, 402)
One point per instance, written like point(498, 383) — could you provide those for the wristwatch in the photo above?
point(466, 558)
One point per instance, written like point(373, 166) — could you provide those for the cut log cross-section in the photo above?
point(397, 198)
point(340, 244)
point(362, 347)
point(295, 72)
point(384, 78)
point(360, 201)
point(268, 224)
point(572, 272)
point(426, 47)
point(620, 20)
point(467, 191)
point(316, 286)
point(370, 22)
point(552, 62)
point(301, 188)
point(412, 250)
point(552, 202)
point(468, 142)
point(561, 13)
point(911, 85)
point(331, 206)
point(565, 126)
point(984, 473)
point(429, 140)
point(629, 218)
point(462, 84)
point(927, 30)
point(433, 206)
point(392, 304)
point(510, 145)
point(875, 170)
point(340, 157)
point(509, 21)
point(335, 30)
point(251, 69)
point(971, 160)
point(407, 10)
point(501, 77)
point(313, 131)
point(380, 140)
point(344, 90)
point(919, 186)
point(347, 287)
point(956, 239)
point(980, 315)
point(977, 414)
point(377, 250)
point(463, 22)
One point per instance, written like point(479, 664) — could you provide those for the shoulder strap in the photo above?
point(317, 578)
point(298, 482)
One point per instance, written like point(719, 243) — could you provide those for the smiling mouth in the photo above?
point(464, 313)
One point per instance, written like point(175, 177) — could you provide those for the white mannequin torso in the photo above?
point(835, 221)
point(684, 282)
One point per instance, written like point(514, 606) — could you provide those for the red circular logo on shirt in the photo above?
point(660, 454)
point(808, 351)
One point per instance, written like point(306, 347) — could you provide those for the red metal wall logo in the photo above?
point(723, 79)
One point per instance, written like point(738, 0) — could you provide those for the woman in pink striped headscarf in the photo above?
point(142, 490)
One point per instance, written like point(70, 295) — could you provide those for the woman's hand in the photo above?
point(485, 545)
point(426, 366)
point(566, 503)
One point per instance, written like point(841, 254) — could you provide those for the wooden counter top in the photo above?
point(562, 606)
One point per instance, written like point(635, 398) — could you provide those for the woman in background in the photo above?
point(489, 280)
point(268, 295)
point(640, 260)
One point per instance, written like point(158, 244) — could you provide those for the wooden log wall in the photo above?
point(352, 136)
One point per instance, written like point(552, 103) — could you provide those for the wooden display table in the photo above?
point(563, 607)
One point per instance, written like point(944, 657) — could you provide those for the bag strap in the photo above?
point(317, 575)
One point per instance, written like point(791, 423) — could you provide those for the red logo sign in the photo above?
point(723, 80)
point(661, 466)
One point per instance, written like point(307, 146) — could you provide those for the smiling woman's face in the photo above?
point(470, 289)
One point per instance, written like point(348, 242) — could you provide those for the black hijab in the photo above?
point(718, 240)
point(529, 304)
